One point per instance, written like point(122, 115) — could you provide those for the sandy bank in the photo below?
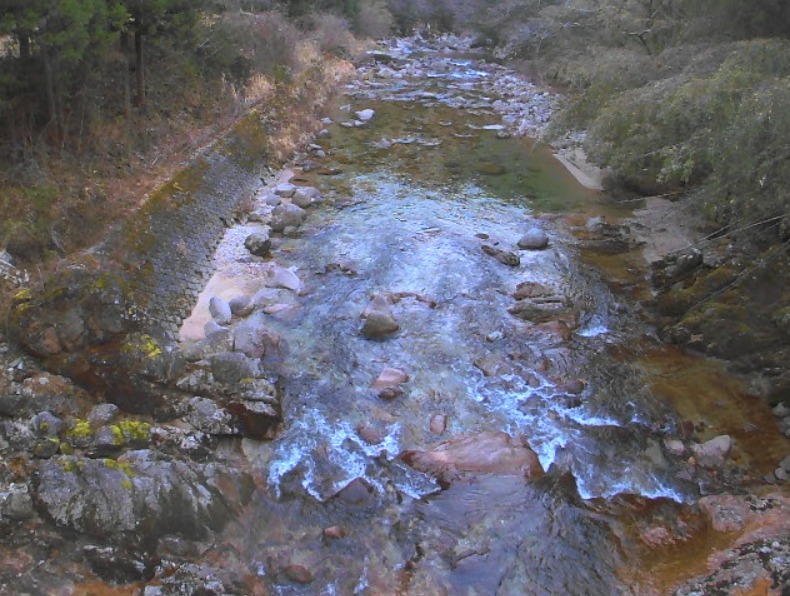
point(575, 160)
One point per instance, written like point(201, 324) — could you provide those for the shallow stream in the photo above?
point(410, 198)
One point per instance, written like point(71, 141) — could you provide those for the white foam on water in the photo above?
point(593, 331)
point(594, 327)
point(579, 417)
point(311, 429)
point(650, 487)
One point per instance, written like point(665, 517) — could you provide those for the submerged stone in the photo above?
point(491, 452)
point(379, 320)
point(506, 257)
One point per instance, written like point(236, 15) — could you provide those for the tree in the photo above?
point(150, 17)
point(52, 41)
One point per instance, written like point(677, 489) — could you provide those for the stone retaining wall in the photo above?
point(166, 248)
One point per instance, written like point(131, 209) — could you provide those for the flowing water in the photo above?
point(413, 196)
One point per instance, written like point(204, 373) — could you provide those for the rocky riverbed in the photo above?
point(427, 363)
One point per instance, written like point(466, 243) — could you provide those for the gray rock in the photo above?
point(785, 464)
point(781, 474)
point(379, 320)
point(208, 417)
point(220, 310)
point(193, 580)
point(120, 565)
point(19, 436)
point(287, 215)
point(365, 115)
point(241, 306)
point(539, 309)
point(271, 199)
point(280, 277)
point(259, 244)
point(230, 368)
point(102, 414)
point(534, 239)
point(252, 337)
point(306, 196)
point(106, 441)
point(45, 448)
point(212, 329)
point(712, 454)
point(675, 447)
point(46, 424)
point(685, 263)
point(138, 494)
point(15, 502)
point(285, 190)
point(258, 216)
point(781, 410)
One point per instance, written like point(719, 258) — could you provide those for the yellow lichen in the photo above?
point(69, 464)
point(23, 295)
point(81, 430)
point(135, 430)
point(142, 344)
point(124, 467)
point(118, 437)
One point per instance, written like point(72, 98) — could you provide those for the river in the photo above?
point(410, 198)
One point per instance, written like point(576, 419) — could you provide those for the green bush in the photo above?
point(724, 133)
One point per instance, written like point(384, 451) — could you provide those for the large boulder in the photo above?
point(75, 309)
point(492, 452)
point(139, 494)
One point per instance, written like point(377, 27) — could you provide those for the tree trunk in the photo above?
point(24, 47)
point(127, 91)
point(139, 66)
point(49, 81)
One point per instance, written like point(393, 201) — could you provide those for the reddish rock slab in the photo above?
point(370, 434)
point(390, 379)
point(491, 452)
